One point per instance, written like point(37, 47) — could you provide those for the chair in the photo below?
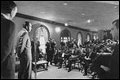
point(40, 62)
point(77, 62)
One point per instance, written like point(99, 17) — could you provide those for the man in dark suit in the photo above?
point(115, 56)
point(8, 11)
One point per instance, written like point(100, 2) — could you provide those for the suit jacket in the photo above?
point(26, 44)
point(7, 49)
point(115, 62)
point(25, 55)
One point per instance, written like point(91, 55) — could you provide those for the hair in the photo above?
point(26, 25)
point(7, 6)
point(116, 22)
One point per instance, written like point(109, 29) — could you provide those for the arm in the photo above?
point(28, 48)
point(105, 68)
point(7, 40)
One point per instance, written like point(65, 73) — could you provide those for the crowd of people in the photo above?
point(97, 57)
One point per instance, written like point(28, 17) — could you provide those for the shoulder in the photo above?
point(5, 22)
point(26, 35)
point(12, 23)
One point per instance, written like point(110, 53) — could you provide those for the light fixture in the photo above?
point(65, 4)
point(66, 24)
point(115, 7)
point(57, 29)
point(42, 12)
point(88, 21)
point(83, 14)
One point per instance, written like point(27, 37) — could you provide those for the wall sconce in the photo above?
point(68, 23)
point(57, 29)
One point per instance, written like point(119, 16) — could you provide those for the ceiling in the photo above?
point(93, 15)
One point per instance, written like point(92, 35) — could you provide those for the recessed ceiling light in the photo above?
point(65, 4)
point(42, 12)
point(115, 7)
point(83, 14)
point(88, 21)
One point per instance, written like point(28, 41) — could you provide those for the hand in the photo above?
point(14, 51)
point(105, 68)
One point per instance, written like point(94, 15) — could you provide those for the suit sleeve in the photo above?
point(28, 48)
point(27, 45)
point(8, 41)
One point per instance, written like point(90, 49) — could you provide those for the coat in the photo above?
point(7, 49)
point(25, 56)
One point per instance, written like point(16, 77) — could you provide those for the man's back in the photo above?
point(7, 47)
point(115, 62)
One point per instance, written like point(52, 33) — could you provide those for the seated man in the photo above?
point(61, 54)
point(67, 54)
point(74, 57)
point(87, 59)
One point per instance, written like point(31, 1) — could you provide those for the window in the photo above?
point(88, 37)
point(79, 37)
point(95, 36)
point(65, 36)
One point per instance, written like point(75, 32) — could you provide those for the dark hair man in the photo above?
point(23, 50)
point(115, 56)
point(8, 12)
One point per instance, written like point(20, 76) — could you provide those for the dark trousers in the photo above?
point(50, 56)
point(8, 68)
point(70, 61)
point(86, 65)
point(25, 69)
point(56, 60)
point(60, 62)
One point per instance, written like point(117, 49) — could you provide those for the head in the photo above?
point(27, 26)
point(38, 43)
point(115, 29)
point(50, 39)
point(8, 8)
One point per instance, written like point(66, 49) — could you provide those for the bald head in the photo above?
point(115, 29)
